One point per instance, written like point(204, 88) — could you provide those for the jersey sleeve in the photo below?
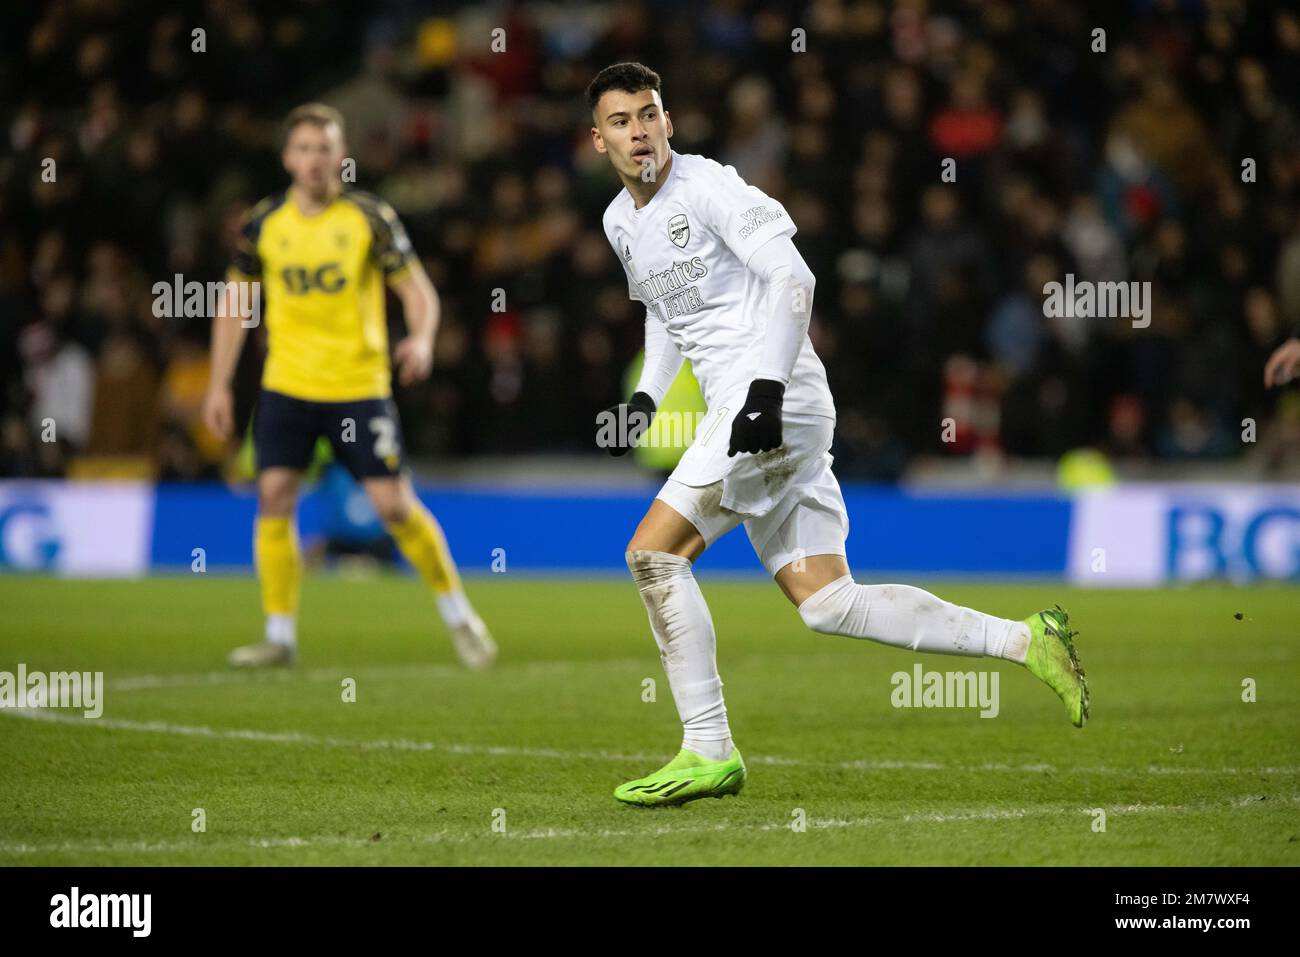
point(246, 261)
point(390, 247)
point(743, 216)
point(392, 250)
point(663, 361)
point(633, 293)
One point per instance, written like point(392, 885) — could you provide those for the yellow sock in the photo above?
point(279, 564)
point(421, 540)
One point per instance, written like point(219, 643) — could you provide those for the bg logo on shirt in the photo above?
point(301, 280)
point(679, 230)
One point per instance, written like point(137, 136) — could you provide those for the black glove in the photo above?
point(620, 426)
point(757, 428)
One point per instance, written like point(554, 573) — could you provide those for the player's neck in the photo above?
point(642, 192)
point(308, 203)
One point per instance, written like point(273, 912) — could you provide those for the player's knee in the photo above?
point(393, 510)
point(393, 500)
point(643, 542)
point(649, 566)
point(824, 611)
point(636, 544)
point(686, 547)
point(639, 560)
point(276, 501)
point(817, 618)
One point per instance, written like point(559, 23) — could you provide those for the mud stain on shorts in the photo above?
point(710, 501)
point(778, 468)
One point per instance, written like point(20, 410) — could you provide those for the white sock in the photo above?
point(683, 629)
point(282, 629)
point(454, 607)
point(912, 618)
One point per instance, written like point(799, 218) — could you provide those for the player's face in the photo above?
point(313, 156)
point(632, 129)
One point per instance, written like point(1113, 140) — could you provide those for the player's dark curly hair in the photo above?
point(628, 77)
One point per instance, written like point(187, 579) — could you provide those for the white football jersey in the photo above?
point(685, 253)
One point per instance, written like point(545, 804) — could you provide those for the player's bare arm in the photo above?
point(421, 306)
point(1283, 364)
point(228, 333)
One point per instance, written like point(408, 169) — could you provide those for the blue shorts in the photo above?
point(365, 434)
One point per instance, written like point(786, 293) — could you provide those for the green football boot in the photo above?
point(685, 778)
point(1051, 658)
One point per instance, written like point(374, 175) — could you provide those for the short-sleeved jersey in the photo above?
point(322, 280)
point(686, 253)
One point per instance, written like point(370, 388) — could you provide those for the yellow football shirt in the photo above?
point(322, 282)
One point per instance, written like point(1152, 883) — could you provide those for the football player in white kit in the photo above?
point(711, 258)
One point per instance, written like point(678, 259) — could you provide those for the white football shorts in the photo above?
point(788, 499)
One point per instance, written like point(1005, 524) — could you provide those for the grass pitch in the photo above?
point(435, 765)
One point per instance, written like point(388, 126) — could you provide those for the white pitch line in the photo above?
point(231, 677)
point(297, 737)
point(661, 830)
point(490, 750)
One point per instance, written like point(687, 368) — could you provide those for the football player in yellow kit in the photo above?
point(323, 257)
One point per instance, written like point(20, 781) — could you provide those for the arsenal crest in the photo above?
point(679, 230)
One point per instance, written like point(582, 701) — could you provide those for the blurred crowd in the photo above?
point(134, 145)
